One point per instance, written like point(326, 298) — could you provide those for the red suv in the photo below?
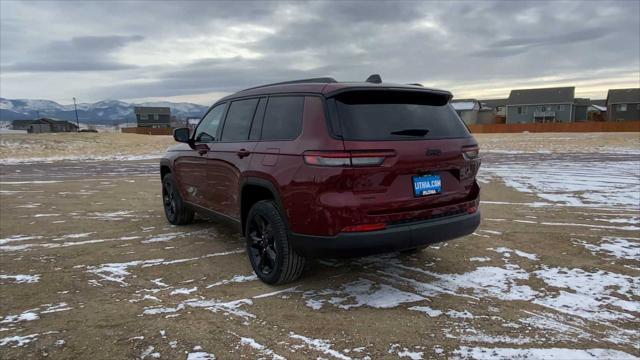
point(320, 168)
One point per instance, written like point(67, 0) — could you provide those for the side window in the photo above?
point(283, 118)
point(206, 131)
point(238, 121)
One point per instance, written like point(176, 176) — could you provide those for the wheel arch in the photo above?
point(165, 168)
point(254, 189)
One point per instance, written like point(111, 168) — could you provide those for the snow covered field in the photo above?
point(552, 273)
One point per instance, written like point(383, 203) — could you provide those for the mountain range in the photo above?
point(108, 112)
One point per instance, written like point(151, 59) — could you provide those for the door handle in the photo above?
point(243, 153)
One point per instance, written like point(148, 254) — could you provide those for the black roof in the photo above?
point(556, 95)
point(493, 103)
point(153, 109)
point(41, 121)
point(583, 102)
point(623, 96)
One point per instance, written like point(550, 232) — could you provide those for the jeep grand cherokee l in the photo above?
point(319, 168)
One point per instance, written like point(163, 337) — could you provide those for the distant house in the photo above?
point(44, 125)
point(155, 117)
point(545, 105)
point(467, 109)
point(499, 106)
point(597, 110)
point(192, 122)
point(471, 111)
point(581, 109)
point(623, 104)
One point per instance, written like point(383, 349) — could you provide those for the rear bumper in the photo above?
point(394, 238)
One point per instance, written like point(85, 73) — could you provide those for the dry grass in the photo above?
point(80, 145)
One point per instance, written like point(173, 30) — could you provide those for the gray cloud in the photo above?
point(83, 53)
point(241, 44)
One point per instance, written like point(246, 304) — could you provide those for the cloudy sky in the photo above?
point(198, 51)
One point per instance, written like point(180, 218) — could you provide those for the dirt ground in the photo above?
point(90, 268)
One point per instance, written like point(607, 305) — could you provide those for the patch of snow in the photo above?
point(459, 314)
point(200, 355)
point(427, 310)
point(261, 348)
point(163, 237)
point(19, 279)
point(598, 295)
point(618, 247)
point(18, 341)
point(234, 279)
point(480, 259)
point(466, 352)
point(28, 315)
point(49, 159)
point(575, 183)
point(320, 345)
point(361, 293)
point(149, 352)
point(405, 353)
point(183, 291)
point(227, 308)
point(18, 238)
point(506, 251)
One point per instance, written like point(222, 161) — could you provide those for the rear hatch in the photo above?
point(429, 156)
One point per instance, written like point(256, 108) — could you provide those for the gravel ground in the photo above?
point(89, 268)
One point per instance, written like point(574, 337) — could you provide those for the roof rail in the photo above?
point(301, 81)
point(416, 84)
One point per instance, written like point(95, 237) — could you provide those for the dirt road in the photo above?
point(89, 268)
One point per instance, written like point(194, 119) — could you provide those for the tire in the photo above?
point(175, 210)
point(272, 258)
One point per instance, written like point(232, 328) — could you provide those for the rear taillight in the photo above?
point(471, 152)
point(347, 158)
point(472, 209)
point(365, 227)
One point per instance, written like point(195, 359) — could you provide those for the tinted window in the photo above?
point(238, 121)
point(397, 115)
point(208, 127)
point(283, 118)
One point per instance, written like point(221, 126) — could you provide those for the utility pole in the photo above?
point(76, 108)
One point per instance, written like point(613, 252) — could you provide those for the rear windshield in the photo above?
point(396, 115)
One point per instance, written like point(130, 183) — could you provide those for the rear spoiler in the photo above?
point(431, 96)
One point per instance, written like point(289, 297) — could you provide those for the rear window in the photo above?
point(283, 118)
point(238, 122)
point(396, 115)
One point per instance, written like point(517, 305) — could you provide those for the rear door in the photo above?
point(426, 138)
point(231, 156)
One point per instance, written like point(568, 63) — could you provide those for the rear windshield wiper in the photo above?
point(411, 132)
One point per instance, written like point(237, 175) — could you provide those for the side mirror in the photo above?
point(181, 135)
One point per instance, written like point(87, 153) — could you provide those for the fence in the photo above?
point(147, 131)
point(587, 126)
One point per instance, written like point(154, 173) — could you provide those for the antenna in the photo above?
point(375, 79)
